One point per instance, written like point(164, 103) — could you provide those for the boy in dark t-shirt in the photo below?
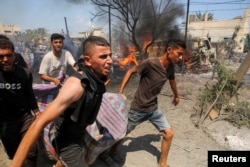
point(17, 100)
point(154, 72)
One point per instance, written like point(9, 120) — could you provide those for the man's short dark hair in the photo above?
point(3, 37)
point(56, 36)
point(6, 44)
point(175, 43)
point(91, 41)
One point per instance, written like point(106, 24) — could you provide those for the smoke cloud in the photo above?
point(76, 1)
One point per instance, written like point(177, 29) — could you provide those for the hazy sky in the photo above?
point(49, 14)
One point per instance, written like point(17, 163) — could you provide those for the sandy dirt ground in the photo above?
point(190, 144)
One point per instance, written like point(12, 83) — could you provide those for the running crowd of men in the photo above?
point(77, 104)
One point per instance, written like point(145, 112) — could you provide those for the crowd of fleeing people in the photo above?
point(77, 103)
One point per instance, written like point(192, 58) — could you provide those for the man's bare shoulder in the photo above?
point(72, 88)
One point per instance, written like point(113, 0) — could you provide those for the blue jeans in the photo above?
point(156, 117)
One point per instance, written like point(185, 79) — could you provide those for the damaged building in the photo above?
point(236, 29)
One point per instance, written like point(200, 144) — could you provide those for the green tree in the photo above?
point(32, 35)
point(36, 34)
point(201, 17)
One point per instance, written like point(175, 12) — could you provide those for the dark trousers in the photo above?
point(69, 143)
point(11, 134)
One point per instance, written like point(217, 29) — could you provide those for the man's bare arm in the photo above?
point(47, 78)
point(173, 86)
point(74, 68)
point(70, 92)
point(126, 78)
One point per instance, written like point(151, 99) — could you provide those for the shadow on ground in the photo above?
point(133, 145)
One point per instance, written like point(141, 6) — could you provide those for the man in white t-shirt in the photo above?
point(56, 61)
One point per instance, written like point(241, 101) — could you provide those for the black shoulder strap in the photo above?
point(84, 82)
point(75, 115)
point(27, 72)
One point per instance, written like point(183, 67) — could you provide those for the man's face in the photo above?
point(99, 61)
point(175, 54)
point(7, 59)
point(57, 45)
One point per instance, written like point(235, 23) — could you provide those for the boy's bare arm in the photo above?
point(69, 93)
point(173, 86)
point(126, 78)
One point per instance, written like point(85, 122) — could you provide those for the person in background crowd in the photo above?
point(17, 100)
point(56, 61)
point(19, 60)
point(154, 72)
point(75, 107)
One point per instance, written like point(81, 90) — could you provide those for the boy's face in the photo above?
point(99, 61)
point(175, 54)
point(7, 59)
point(57, 44)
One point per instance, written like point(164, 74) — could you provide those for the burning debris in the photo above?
point(127, 61)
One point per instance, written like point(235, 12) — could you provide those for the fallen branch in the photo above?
point(210, 108)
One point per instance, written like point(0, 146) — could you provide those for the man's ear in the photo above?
point(169, 49)
point(86, 60)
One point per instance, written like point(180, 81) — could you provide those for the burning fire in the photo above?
point(129, 59)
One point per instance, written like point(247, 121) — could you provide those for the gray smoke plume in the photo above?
point(76, 1)
point(163, 23)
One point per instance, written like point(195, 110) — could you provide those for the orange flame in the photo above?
point(128, 60)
